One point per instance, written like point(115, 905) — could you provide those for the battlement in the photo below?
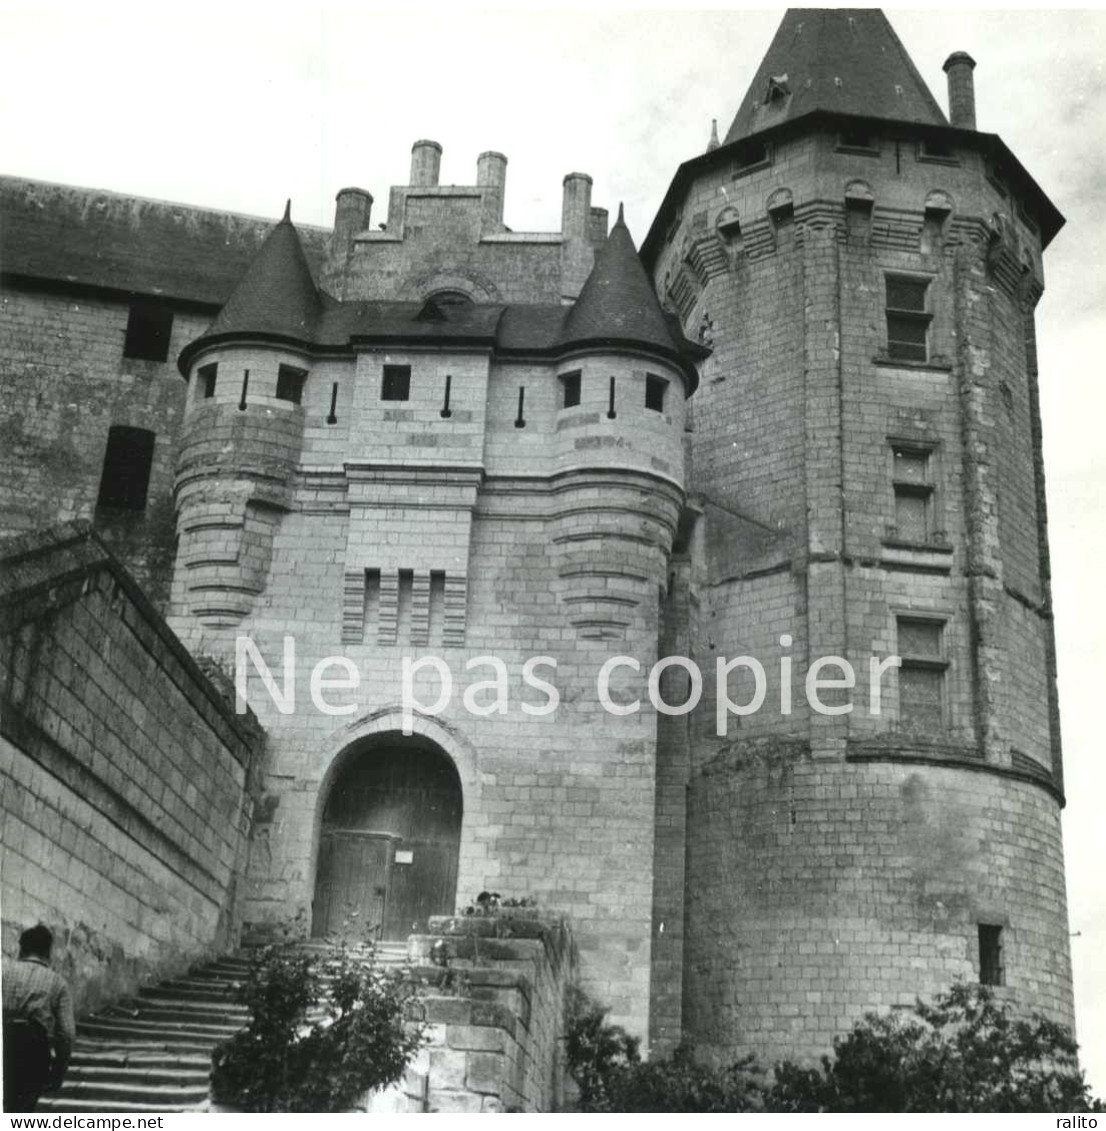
point(453, 239)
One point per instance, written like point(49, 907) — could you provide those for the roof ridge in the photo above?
point(137, 197)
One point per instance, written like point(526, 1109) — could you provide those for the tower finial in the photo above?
point(288, 211)
point(713, 143)
point(621, 219)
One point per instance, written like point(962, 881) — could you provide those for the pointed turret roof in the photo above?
point(842, 60)
point(618, 304)
point(277, 295)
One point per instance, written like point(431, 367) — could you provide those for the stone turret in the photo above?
point(243, 430)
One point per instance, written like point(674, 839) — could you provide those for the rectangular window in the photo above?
point(907, 318)
point(922, 675)
point(570, 384)
point(125, 478)
point(205, 376)
point(856, 139)
point(654, 392)
point(913, 494)
point(149, 328)
point(290, 382)
point(396, 385)
point(991, 966)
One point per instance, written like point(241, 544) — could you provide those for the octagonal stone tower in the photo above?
point(867, 462)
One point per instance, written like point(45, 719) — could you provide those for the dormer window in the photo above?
point(778, 89)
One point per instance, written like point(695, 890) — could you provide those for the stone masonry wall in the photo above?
point(125, 774)
point(870, 880)
point(65, 382)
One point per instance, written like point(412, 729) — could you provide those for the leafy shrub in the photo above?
point(962, 1053)
point(324, 1029)
point(605, 1062)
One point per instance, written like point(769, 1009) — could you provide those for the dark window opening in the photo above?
point(750, 154)
point(570, 384)
point(290, 382)
point(149, 328)
point(991, 971)
point(207, 375)
point(936, 147)
point(855, 139)
point(907, 319)
point(396, 385)
point(654, 392)
point(125, 479)
point(922, 675)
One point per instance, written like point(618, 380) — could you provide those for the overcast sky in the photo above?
point(237, 108)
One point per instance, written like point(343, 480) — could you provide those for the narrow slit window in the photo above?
point(991, 967)
point(570, 385)
point(290, 382)
point(405, 599)
point(207, 375)
point(125, 479)
point(396, 385)
point(907, 319)
point(149, 328)
point(655, 388)
point(437, 606)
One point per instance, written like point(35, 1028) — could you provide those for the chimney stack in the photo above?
point(426, 161)
point(491, 176)
point(351, 214)
point(959, 66)
point(576, 206)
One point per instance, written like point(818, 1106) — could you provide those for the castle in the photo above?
point(801, 423)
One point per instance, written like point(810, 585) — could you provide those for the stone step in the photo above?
point(92, 1056)
point(138, 1074)
point(173, 1013)
point(62, 1103)
point(195, 1006)
point(131, 1046)
point(209, 990)
point(163, 1095)
point(120, 1029)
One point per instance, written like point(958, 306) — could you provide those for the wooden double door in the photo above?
point(389, 843)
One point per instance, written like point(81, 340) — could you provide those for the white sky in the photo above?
point(238, 108)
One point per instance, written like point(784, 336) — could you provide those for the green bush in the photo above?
point(324, 1029)
point(965, 1052)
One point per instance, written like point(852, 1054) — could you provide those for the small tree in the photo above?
point(962, 1053)
point(323, 1031)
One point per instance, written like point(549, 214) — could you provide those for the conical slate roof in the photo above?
point(277, 294)
point(617, 301)
point(843, 60)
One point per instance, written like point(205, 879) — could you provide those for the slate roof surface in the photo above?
point(842, 60)
point(277, 294)
point(276, 299)
point(617, 301)
point(103, 239)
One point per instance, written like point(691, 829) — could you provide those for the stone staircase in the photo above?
point(152, 1053)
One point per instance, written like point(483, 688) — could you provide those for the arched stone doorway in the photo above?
point(390, 837)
